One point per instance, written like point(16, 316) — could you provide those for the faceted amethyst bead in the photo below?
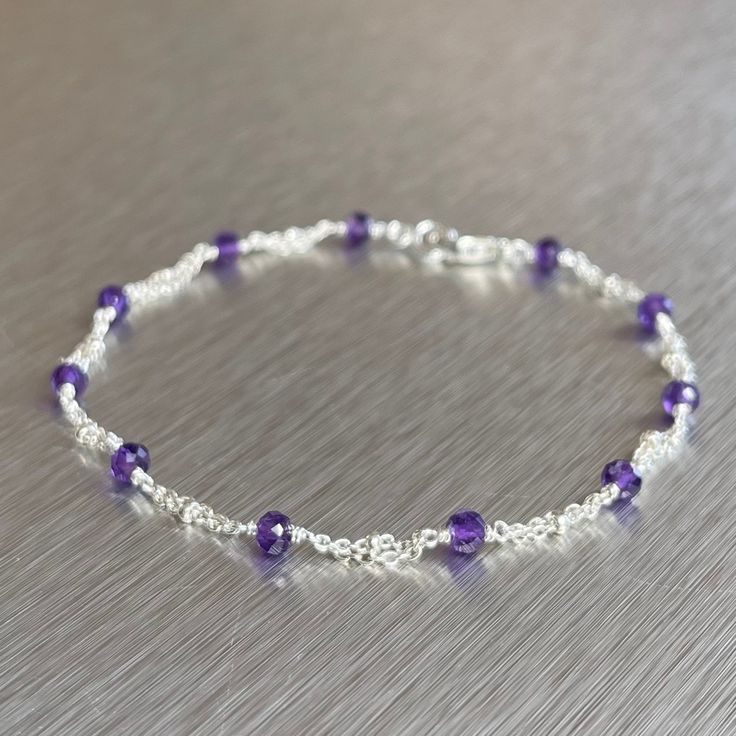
point(679, 392)
point(467, 531)
point(114, 296)
point(649, 307)
point(358, 229)
point(126, 459)
point(273, 533)
point(227, 244)
point(622, 473)
point(69, 373)
point(546, 251)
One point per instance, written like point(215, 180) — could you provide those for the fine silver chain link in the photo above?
point(429, 242)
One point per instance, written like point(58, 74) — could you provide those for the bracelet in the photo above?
point(428, 242)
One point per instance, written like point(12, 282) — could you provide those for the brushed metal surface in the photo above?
point(368, 395)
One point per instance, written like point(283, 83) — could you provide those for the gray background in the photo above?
point(369, 395)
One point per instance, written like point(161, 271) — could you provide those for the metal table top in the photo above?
point(365, 395)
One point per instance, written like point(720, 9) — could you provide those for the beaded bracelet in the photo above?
point(429, 242)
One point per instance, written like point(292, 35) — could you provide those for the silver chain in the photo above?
point(432, 243)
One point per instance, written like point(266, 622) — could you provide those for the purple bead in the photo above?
point(273, 533)
point(649, 307)
point(358, 229)
point(69, 373)
point(679, 392)
point(467, 531)
point(546, 251)
point(126, 459)
point(227, 244)
point(622, 473)
point(113, 296)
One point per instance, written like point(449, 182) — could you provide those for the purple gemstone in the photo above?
point(273, 533)
point(649, 307)
point(69, 373)
point(622, 473)
point(227, 244)
point(467, 531)
point(358, 229)
point(113, 296)
point(679, 392)
point(546, 251)
point(126, 459)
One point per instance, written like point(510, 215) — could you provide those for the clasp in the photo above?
point(434, 241)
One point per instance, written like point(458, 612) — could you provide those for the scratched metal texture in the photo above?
point(369, 394)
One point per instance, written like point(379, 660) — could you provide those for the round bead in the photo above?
point(114, 296)
point(358, 229)
point(467, 531)
point(679, 392)
point(649, 307)
point(69, 373)
point(227, 245)
point(546, 251)
point(623, 474)
point(273, 533)
point(126, 459)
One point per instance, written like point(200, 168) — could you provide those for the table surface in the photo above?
point(365, 394)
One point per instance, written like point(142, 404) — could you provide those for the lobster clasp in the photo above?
point(434, 241)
